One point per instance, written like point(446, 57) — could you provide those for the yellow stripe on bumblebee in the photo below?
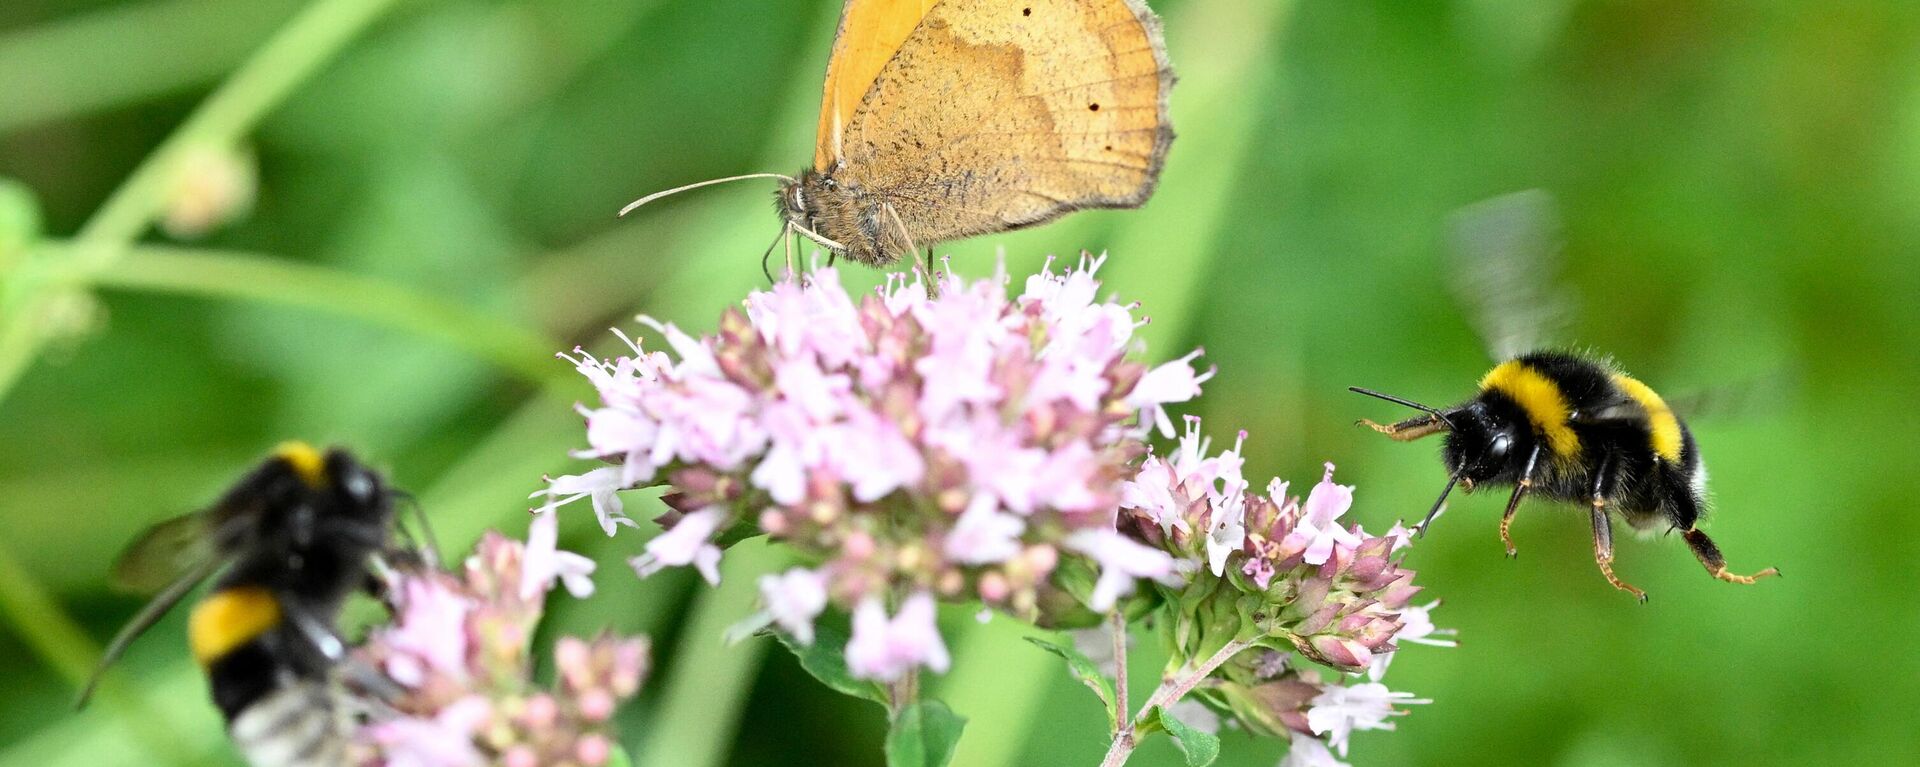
point(1541, 398)
point(1663, 427)
point(307, 463)
point(228, 619)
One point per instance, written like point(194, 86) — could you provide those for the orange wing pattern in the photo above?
point(871, 32)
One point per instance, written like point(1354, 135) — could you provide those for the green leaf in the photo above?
point(826, 660)
point(1200, 746)
point(619, 758)
point(1089, 674)
point(924, 735)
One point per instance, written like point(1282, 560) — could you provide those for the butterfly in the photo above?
point(947, 119)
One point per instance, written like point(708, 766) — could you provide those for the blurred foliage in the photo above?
point(1738, 180)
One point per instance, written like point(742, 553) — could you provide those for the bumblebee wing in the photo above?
point(1763, 393)
point(143, 620)
point(1614, 412)
point(163, 553)
point(1506, 252)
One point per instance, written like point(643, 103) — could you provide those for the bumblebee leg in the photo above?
point(321, 638)
point(1603, 530)
point(1513, 504)
point(1603, 550)
point(1408, 430)
point(1716, 564)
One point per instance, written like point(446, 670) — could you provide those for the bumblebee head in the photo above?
point(1479, 446)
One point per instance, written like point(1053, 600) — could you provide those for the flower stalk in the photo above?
point(1171, 690)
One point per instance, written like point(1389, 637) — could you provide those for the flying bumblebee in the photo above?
point(1571, 427)
point(290, 543)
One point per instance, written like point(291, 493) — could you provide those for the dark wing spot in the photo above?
point(1026, 11)
point(1109, 147)
point(1093, 107)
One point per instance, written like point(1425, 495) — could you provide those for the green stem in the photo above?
point(293, 54)
point(65, 646)
point(708, 687)
point(310, 40)
point(257, 277)
point(127, 54)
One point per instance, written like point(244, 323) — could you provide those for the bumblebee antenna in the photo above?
point(696, 185)
point(1409, 403)
point(1420, 531)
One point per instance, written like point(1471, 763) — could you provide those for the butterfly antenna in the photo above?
point(709, 182)
point(1409, 403)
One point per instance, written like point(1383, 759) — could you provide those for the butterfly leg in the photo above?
point(1716, 564)
point(919, 263)
point(1513, 504)
point(785, 236)
point(1603, 533)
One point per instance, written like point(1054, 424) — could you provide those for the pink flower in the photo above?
point(1170, 383)
point(443, 740)
point(897, 442)
point(1319, 531)
point(545, 562)
point(1417, 628)
point(1122, 560)
point(1309, 751)
point(429, 635)
point(984, 535)
point(602, 485)
point(883, 649)
point(1338, 711)
point(688, 543)
point(794, 599)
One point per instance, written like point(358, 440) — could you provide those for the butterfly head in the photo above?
point(832, 214)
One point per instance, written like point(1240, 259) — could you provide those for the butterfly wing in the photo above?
point(999, 114)
point(871, 31)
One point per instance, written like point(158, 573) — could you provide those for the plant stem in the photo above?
point(257, 277)
point(293, 54)
point(707, 691)
point(1170, 692)
point(299, 49)
point(1119, 624)
point(127, 54)
point(64, 645)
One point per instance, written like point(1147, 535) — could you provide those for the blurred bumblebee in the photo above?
point(290, 543)
point(1566, 426)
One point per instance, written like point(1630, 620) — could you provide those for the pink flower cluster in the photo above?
point(459, 653)
point(1321, 591)
point(1333, 590)
point(915, 449)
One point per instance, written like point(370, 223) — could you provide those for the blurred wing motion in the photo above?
point(165, 552)
point(1506, 252)
point(870, 33)
point(156, 608)
point(1760, 393)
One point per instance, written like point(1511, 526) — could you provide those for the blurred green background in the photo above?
point(434, 217)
